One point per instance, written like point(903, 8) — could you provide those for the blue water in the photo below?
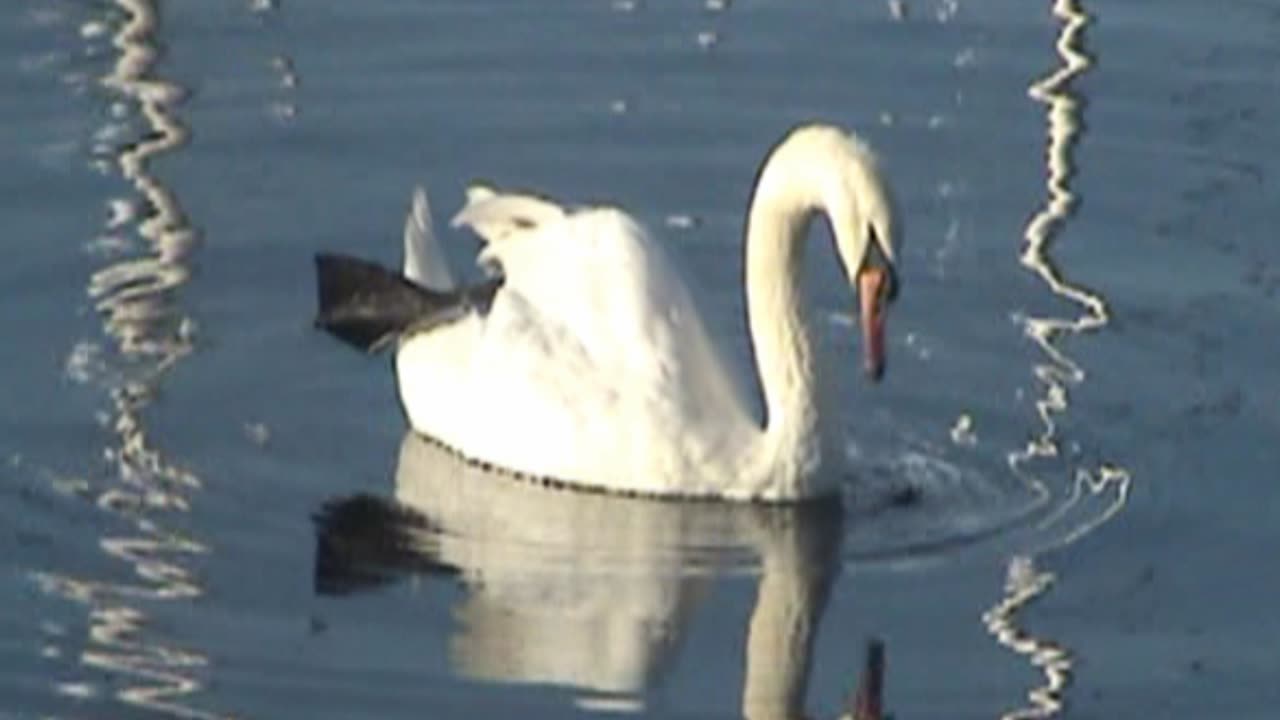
point(208, 509)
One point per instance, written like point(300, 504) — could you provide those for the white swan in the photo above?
point(586, 361)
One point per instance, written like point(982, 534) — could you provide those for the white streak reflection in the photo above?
point(1023, 585)
point(135, 294)
point(1060, 372)
point(1096, 494)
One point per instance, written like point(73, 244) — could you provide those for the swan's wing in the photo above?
point(507, 388)
point(424, 259)
point(592, 358)
point(593, 277)
point(601, 278)
point(479, 191)
point(496, 216)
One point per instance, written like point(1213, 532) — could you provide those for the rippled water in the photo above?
point(210, 510)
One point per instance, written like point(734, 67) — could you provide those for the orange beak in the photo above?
point(871, 294)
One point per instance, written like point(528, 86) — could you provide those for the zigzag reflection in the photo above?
point(135, 296)
point(1023, 585)
point(1061, 372)
point(1106, 487)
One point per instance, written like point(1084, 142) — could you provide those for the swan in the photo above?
point(582, 359)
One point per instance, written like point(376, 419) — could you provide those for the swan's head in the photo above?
point(833, 171)
point(864, 219)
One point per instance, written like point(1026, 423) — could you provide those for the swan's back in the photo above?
point(591, 366)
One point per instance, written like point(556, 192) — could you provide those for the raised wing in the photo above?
point(496, 216)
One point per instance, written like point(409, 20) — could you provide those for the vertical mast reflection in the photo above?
point(1107, 486)
point(136, 297)
point(1059, 372)
point(1023, 585)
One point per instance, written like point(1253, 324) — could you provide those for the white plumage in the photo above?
point(592, 365)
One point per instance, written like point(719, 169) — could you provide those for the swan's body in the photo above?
point(591, 365)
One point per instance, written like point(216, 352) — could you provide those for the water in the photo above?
point(199, 511)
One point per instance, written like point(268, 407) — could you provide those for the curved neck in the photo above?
point(777, 315)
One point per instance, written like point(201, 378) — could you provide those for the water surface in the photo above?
point(210, 510)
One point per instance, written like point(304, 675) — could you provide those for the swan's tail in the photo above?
point(364, 304)
point(368, 306)
point(424, 259)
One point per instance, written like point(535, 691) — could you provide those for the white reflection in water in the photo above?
point(1095, 495)
point(1060, 372)
point(135, 295)
point(583, 590)
point(1024, 584)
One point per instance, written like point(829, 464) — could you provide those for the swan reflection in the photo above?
point(588, 591)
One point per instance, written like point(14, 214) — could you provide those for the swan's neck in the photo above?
point(777, 314)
